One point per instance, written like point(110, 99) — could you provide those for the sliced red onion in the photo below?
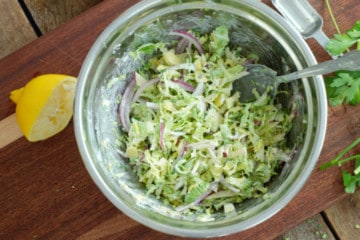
point(184, 85)
point(191, 38)
point(141, 159)
point(125, 104)
point(182, 150)
point(182, 45)
point(162, 144)
point(295, 104)
point(143, 87)
point(211, 188)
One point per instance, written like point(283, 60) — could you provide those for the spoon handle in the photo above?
point(349, 61)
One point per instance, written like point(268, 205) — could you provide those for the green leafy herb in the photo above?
point(350, 180)
point(354, 33)
point(342, 42)
point(343, 87)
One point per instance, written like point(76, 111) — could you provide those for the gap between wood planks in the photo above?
point(329, 225)
point(30, 18)
point(9, 130)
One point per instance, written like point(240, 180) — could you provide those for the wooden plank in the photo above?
point(346, 14)
point(9, 131)
point(311, 229)
point(55, 15)
point(50, 14)
point(344, 217)
point(63, 203)
point(15, 30)
point(59, 16)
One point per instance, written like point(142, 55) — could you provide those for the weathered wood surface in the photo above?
point(46, 192)
point(15, 30)
point(312, 228)
point(49, 15)
point(346, 13)
point(344, 217)
point(9, 131)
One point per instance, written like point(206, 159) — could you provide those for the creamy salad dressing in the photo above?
point(189, 140)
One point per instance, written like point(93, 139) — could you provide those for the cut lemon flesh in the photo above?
point(45, 105)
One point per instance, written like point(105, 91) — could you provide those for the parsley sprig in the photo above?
point(350, 180)
point(342, 42)
point(343, 87)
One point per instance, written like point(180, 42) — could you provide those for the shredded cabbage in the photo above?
point(191, 142)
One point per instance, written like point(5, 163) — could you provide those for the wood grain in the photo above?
point(45, 189)
point(49, 14)
point(312, 228)
point(344, 216)
point(15, 30)
point(46, 192)
point(9, 131)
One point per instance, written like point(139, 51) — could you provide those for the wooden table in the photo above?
point(46, 192)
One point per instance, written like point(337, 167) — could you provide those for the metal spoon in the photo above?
point(262, 78)
point(304, 18)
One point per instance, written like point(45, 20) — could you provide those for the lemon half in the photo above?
point(44, 106)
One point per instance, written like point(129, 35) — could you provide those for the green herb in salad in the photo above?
point(190, 141)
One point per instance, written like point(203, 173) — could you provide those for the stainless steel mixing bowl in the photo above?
point(253, 26)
